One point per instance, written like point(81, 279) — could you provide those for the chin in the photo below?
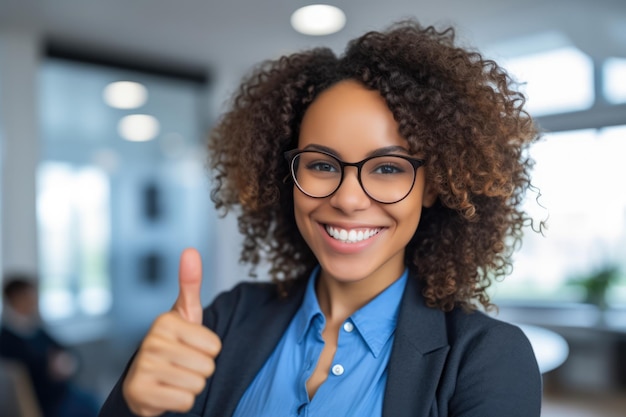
point(347, 272)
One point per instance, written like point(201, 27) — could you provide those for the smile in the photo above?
point(351, 236)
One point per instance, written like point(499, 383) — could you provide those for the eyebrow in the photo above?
point(376, 152)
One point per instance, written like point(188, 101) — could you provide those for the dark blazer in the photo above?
point(442, 364)
point(33, 353)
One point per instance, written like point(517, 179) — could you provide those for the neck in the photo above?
point(339, 300)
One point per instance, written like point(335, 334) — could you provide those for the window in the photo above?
point(580, 174)
point(582, 178)
point(116, 208)
point(555, 81)
point(614, 87)
point(74, 234)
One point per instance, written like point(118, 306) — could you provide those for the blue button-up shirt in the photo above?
point(356, 383)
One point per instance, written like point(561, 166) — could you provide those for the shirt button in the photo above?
point(348, 327)
point(337, 370)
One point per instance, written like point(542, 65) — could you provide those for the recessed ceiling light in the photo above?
point(318, 19)
point(138, 127)
point(125, 95)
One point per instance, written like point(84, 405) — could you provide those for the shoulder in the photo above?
point(12, 345)
point(476, 337)
point(8, 336)
point(243, 296)
point(429, 328)
point(472, 323)
point(468, 330)
point(247, 292)
point(483, 345)
point(492, 370)
point(488, 367)
point(243, 300)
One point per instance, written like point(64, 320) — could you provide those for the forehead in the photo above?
point(350, 119)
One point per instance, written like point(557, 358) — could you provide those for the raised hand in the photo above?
point(177, 354)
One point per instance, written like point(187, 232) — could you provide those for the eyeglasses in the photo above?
point(386, 179)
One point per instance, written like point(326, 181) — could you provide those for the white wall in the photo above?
point(19, 59)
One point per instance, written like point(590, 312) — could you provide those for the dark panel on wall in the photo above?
point(152, 265)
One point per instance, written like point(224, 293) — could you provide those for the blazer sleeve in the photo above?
point(498, 376)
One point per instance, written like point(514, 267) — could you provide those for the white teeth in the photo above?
point(351, 236)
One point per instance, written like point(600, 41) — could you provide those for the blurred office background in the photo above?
point(99, 197)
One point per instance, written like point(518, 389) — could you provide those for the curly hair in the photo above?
point(452, 105)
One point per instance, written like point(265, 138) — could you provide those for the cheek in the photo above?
point(410, 219)
point(409, 213)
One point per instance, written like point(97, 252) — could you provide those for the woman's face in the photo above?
point(25, 302)
point(353, 122)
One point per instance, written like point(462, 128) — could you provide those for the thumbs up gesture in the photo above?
point(177, 354)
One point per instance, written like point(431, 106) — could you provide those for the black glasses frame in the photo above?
point(291, 155)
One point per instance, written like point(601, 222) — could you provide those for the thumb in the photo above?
point(188, 303)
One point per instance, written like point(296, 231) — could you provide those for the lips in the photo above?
point(351, 235)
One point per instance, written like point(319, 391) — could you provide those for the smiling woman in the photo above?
point(354, 122)
point(383, 187)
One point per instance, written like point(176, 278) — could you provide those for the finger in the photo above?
point(180, 378)
point(174, 399)
point(173, 331)
point(197, 359)
point(188, 303)
point(202, 339)
point(157, 398)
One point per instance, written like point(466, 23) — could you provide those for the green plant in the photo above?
point(597, 284)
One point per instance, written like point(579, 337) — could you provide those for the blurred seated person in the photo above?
point(50, 365)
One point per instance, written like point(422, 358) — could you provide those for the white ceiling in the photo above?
point(229, 36)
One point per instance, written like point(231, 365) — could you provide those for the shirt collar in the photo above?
point(310, 308)
point(376, 321)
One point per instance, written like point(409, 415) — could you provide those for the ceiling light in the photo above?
point(318, 19)
point(138, 127)
point(125, 95)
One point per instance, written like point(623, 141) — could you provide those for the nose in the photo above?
point(350, 196)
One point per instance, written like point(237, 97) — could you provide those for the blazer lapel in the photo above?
point(244, 354)
point(417, 358)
